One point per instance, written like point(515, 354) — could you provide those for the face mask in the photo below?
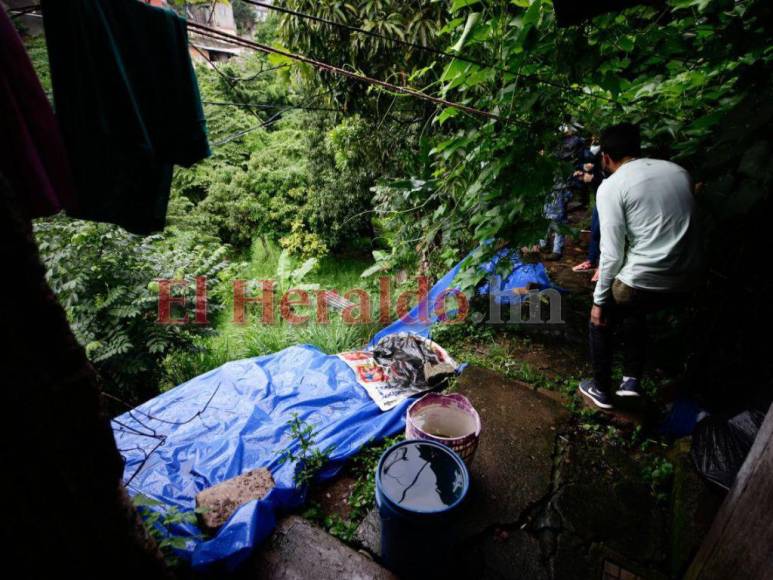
point(595, 149)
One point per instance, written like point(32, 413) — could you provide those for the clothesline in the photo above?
point(429, 49)
point(323, 66)
point(234, 39)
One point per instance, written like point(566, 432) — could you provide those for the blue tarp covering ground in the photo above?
point(245, 425)
point(521, 275)
point(237, 417)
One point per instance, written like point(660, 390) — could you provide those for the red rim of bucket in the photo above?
point(455, 396)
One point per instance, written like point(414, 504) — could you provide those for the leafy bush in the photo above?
point(309, 458)
point(161, 522)
point(105, 279)
point(302, 243)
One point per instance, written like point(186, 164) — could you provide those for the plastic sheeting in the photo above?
point(244, 426)
point(720, 446)
point(237, 417)
point(520, 275)
point(681, 418)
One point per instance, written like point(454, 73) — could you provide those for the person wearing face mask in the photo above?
point(650, 256)
point(555, 210)
point(592, 175)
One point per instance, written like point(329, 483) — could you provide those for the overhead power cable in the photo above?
point(230, 83)
point(270, 121)
point(425, 48)
point(269, 106)
point(323, 66)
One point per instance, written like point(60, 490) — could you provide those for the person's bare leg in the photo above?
point(585, 266)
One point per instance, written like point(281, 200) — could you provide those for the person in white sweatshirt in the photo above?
point(650, 256)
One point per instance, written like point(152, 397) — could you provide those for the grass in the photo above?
point(363, 494)
point(233, 341)
point(491, 348)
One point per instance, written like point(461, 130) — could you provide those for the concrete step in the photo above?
point(299, 550)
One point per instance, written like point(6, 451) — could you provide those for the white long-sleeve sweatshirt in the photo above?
point(649, 230)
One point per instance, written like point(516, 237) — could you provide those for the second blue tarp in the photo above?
point(505, 272)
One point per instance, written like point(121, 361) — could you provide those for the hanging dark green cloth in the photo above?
point(128, 103)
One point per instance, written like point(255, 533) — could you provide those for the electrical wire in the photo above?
point(237, 40)
point(228, 80)
point(269, 106)
point(323, 66)
point(425, 48)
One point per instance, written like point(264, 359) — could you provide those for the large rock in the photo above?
point(513, 465)
point(219, 502)
point(299, 550)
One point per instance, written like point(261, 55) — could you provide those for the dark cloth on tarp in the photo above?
point(32, 154)
point(399, 366)
point(412, 361)
point(128, 103)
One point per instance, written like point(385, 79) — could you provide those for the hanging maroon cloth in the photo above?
point(32, 154)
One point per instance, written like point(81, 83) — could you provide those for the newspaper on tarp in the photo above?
point(399, 366)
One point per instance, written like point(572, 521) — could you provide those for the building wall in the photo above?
point(221, 17)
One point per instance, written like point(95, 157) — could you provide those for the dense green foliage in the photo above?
point(105, 279)
point(683, 73)
point(413, 21)
point(324, 167)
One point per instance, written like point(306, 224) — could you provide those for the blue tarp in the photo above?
point(244, 426)
point(520, 275)
point(236, 418)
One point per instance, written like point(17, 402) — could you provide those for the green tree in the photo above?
point(688, 73)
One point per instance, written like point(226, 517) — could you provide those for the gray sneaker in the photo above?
point(600, 398)
point(629, 388)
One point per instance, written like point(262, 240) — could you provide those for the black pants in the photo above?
point(626, 317)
